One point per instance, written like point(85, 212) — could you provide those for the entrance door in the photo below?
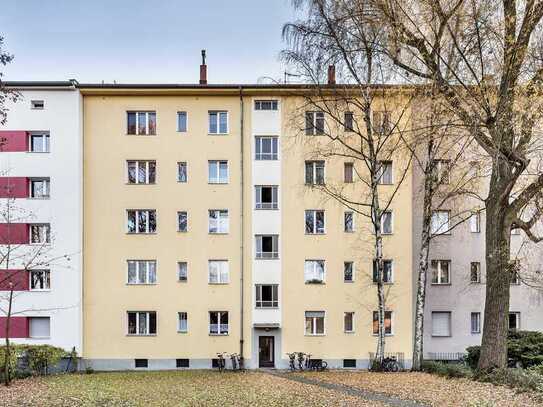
point(266, 351)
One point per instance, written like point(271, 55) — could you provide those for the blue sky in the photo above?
point(144, 41)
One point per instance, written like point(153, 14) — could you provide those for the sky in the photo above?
point(152, 41)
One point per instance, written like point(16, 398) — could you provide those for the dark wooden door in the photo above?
point(266, 351)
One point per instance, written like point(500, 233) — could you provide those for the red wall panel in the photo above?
point(18, 327)
point(19, 279)
point(14, 187)
point(13, 140)
point(14, 233)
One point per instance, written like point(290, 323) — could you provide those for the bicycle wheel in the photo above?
point(393, 367)
point(323, 366)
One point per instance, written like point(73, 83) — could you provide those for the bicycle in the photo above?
point(390, 364)
point(292, 361)
point(221, 363)
point(315, 364)
point(234, 359)
point(301, 361)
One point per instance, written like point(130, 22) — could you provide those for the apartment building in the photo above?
point(41, 214)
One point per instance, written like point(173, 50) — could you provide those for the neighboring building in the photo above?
point(41, 178)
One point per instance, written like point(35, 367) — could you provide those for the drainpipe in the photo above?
point(242, 226)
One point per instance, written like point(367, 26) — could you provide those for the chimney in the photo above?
point(331, 74)
point(203, 69)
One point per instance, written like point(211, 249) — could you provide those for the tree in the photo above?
point(5, 93)
point(357, 121)
point(485, 60)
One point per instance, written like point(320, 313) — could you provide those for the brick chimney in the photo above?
point(331, 74)
point(203, 69)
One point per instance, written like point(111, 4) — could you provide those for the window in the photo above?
point(141, 220)
point(141, 271)
point(182, 122)
point(441, 271)
point(475, 223)
point(388, 323)
point(141, 172)
point(266, 196)
point(514, 268)
point(441, 323)
point(181, 363)
point(39, 188)
point(384, 172)
point(39, 143)
point(218, 221)
point(182, 322)
point(218, 172)
point(440, 223)
point(314, 172)
point(267, 246)
point(218, 322)
point(441, 171)
point(348, 322)
point(387, 271)
point(218, 272)
point(348, 222)
point(182, 271)
point(475, 272)
point(40, 233)
point(386, 223)
point(314, 123)
point(381, 121)
point(40, 280)
point(314, 322)
point(267, 295)
point(475, 322)
point(37, 104)
point(39, 327)
point(182, 221)
point(349, 363)
point(218, 122)
point(314, 222)
point(314, 271)
point(141, 323)
point(265, 104)
point(348, 272)
point(514, 321)
point(182, 175)
point(141, 363)
point(265, 148)
point(348, 121)
point(348, 170)
point(141, 123)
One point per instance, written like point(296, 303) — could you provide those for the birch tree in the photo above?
point(5, 93)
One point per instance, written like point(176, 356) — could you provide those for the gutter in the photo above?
point(242, 226)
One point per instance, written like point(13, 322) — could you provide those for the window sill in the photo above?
point(438, 284)
point(315, 283)
point(39, 337)
point(266, 209)
point(45, 244)
point(141, 135)
point(314, 184)
point(218, 134)
point(182, 281)
point(349, 231)
point(315, 234)
point(475, 282)
point(385, 334)
point(476, 333)
point(349, 332)
point(183, 332)
point(385, 283)
point(256, 307)
point(136, 284)
point(210, 283)
point(182, 231)
point(441, 336)
point(139, 335)
point(218, 233)
point(266, 258)
point(348, 281)
point(217, 183)
point(140, 233)
point(38, 198)
point(140, 183)
point(38, 152)
point(39, 291)
point(315, 335)
point(218, 334)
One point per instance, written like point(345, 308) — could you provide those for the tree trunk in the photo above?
point(498, 276)
point(7, 353)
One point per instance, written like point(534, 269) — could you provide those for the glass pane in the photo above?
point(142, 320)
point(258, 148)
point(142, 172)
point(152, 171)
point(223, 125)
point(223, 172)
point(142, 123)
point(213, 171)
point(131, 221)
point(152, 122)
point(320, 325)
point(182, 172)
point(132, 323)
point(309, 123)
point(152, 221)
point(132, 270)
point(152, 272)
point(319, 173)
point(212, 122)
point(182, 121)
point(309, 221)
point(320, 221)
point(182, 271)
point(142, 272)
point(131, 123)
point(142, 221)
point(132, 165)
point(152, 322)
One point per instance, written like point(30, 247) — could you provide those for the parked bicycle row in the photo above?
point(305, 362)
point(235, 359)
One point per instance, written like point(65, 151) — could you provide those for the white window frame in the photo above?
point(150, 267)
point(433, 334)
point(517, 318)
point(47, 279)
point(217, 164)
point(44, 233)
point(382, 170)
point(220, 331)
point(383, 232)
point(222, 267)
point(45, 142)
point(444, 226)
point(442, 165)
point(475, 222)
point(179, 266)
point(137, 217)
point(179, 319)
point(179, 165)
point(30, 328)
point(477, 321)
point(264, 156)
point(315, 115)
point(46, 186)
point(147, 323)
point(147, 172)
point(392, 315)
point(389, 261)
point(314, 164)
point(440, 272)
point(478, 272)
point(352, 330)
point(351, 127)
point(37, 104)
point(259, 303)
point(274, 104)
point(218, 114)
point(313, 273)
point(313, 323)
point(221, 223)
point(179, 214)
point(262, 255)
point(179, 113)
point(146, 113)
point(315, 230)
point(352, 272)
point(345, 229)
point(266, 205)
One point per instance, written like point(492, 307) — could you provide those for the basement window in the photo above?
point(37, 104)
point(141, 363)
point(181, 363)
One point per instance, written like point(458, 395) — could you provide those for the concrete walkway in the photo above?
point(349, 390)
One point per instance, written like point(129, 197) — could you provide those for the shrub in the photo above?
point(447, 369)
point(522, 379)
point(40, 357)
point(472, 357)
point(15, 352)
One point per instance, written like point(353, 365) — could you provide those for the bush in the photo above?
point(15, 352)
point(40, 357)
point(472, 357)
point(447, 369)
point(522, 379)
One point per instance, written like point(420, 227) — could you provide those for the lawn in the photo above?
point(210, 388)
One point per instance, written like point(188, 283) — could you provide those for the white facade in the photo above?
point(61, 116)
